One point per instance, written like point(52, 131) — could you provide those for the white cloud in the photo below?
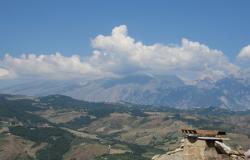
point(4, 73)
point(244, 53)
point(243, 60)
point(49, 66)
point(119, 54)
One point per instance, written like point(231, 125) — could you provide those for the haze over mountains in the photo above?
point(121, 69)
point(232, 93)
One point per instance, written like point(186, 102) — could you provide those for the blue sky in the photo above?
point(93, 39)
point(47, 26)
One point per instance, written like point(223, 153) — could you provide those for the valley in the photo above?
point(60, 127)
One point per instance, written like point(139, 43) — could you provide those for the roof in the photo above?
point(208, 133)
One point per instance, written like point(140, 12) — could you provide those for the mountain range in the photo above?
point(232, 93)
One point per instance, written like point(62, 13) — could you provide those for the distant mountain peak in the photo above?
point(160, 90)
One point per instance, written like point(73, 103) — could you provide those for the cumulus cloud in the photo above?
point(243, 60)
point(49, 66)
point(119, 54)
point(244, 53)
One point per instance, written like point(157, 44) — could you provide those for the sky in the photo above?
point(114, 37)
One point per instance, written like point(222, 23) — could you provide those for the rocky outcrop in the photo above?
point(202, 150)
point(176, 156)
point(247, 155)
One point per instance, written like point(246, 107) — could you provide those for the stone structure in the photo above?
point(202, 145)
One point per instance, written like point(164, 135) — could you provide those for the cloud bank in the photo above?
point(4, 73)
point(54, 66)
point(119, 54)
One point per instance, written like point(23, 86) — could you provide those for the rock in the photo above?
point(223, 148)
point(175, 151)
point(247, 155)
point(207, 148)
point(195, 149)
point(176, 156)
point(156, 157)
point(235, 157)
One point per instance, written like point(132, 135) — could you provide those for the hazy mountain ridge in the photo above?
point(231, 92)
